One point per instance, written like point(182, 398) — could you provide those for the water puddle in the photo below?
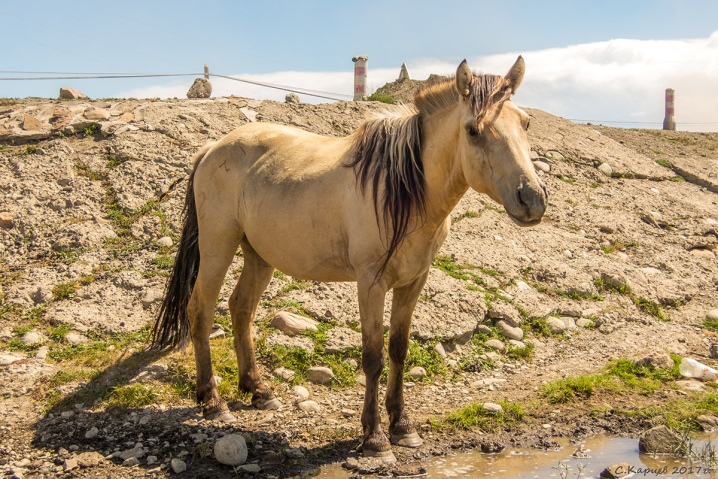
point(531, 464)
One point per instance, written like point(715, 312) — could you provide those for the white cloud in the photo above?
point(617, 80)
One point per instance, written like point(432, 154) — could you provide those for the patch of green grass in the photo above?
point(381, 97)
point(650, 307)
point(619, 376)
point(523, 354)
point(448, 265)
point(57, 333)
point(91, 130)
point(425, 356)
point(676, 179)
point(30, 149)
point(566, 179)
point(164, 261)
point(464, 215)
point(662, 162)
point(65, 290)
point(474, 416)
point(132, 396)
point(711, 324)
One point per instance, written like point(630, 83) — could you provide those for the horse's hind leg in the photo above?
point(217, 247)
point(256, 275)
point(401, 429)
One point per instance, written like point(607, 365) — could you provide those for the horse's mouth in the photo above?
point(524, 223)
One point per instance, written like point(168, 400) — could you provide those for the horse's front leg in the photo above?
point(401, 430)
point(371, 310)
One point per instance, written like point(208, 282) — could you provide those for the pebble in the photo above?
point(320, 375)
point(231, 450)
point(482, 328)
point(178, 465)
point(606, 169)
point(294, 453)
point(417, 373)
point(309, 406)
point(75, 338)
point(496, 344)
point(511, 332)
point(250, 468)
point(92, 433)
point(301, 392)
point(584, 323)
point(165, 242)
point(131, 461)
point(8, 359)
point(69, 464)
point(542, 166)
point(555, 325)
point(151, 460)
point(31, 338)
point(284, 374)
point(712, 315)
point(517, 344)
point(42, 353)
point(439, 348)
point(493, 407)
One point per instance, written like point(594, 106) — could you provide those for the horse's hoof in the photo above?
point(267, 404)
point(220, 414)
point(411, 439)
point(387, 457)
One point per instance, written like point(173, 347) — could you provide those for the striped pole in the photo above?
point(360, 77)
point(669, 121)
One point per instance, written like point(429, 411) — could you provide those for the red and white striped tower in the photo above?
point(669, 121)
point(360, 77)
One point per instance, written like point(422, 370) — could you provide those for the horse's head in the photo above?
point(494, 145)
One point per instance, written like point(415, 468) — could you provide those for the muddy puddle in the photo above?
point(600, 452)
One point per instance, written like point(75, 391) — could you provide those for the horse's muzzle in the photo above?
point(531, 199)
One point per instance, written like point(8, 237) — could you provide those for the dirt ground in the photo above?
point(625, 258)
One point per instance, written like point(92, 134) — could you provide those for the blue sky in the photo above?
point(607, 60)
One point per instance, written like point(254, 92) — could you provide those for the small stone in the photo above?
point(517, 344)
point(309, 406)
point(556, 155)
point(89, 459)
point(67, 414)
point(702, 253)
point(32, 338)
point(151, 296)
point(75, 338)
point(617, 281)
point(178, 465)
point(659, 440)
point(708, 423)
point(617, 471)
point(7, 220)
point(151, 460)
point(510, 331)
point(714, 351)
point(439, 348)
point(555, 325)
point(496, 344)
point(542, 166)
point(7, 359)
point(250, 468)
point(92, 433)
point(712, 315)
point(294, 453)
point(417, 373)
point(301, 392)
point(482, 328)
point(71, 94)
point(292, 324)
point(30, 123)
point(165, 242)
point(292, 98)
point(656, 360)
point(284, 374)
point(493, 407)
point(96, 114)
point(69, 464)
point(606, 169)
point(131, 461)
point(320, 375)
point(231, 450)
point(505, 311)
point(348, 413)
point(584, 323)
point(201, 88)
point(137, 452)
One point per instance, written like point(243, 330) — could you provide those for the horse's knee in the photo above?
point(373, 360)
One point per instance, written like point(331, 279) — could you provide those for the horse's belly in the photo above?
point(303, 252)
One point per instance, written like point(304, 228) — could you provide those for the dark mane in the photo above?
point(387, 154)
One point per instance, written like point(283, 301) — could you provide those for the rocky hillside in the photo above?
point(624, 262)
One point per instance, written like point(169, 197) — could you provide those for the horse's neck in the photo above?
point(445, 181)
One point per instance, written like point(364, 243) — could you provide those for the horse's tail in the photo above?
point(172, 325)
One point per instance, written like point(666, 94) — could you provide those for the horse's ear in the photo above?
point(464, 79)
point(516, 74)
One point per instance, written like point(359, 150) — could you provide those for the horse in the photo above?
point(372, 207)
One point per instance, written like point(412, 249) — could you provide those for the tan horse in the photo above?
point(372, 208)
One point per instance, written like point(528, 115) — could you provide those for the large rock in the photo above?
point(231, 450)
point(291, 324)
point(660, 440)
point(504, 311)
point(617, 471)
point(201, 88)
point(67, 93)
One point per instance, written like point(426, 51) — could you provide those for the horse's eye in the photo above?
point(472, 131)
